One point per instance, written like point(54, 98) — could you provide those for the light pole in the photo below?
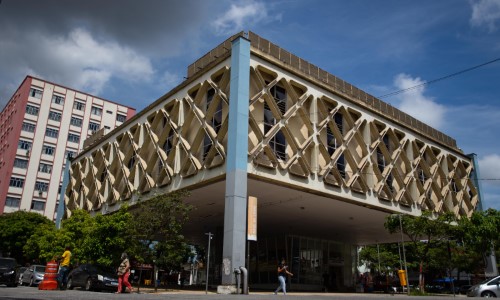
point(404, 255)
point(210, 235)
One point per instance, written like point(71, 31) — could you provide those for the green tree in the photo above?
point(479, 236)
point(15, 230)
point(385, 255)
point(157, 223)
point(109, 236)
point(425, 234)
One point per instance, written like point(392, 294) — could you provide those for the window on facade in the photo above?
point(94, 126)
point(28, 127)
point(48, 150)
point(12, 201)
point(76, 122)
point(59, 189)
point(96, 111)
point(58, 99)
point(169, 142)
point(16, 182)
point(45, 168)
point(41, 186)
point(381, 161)
point(51, 132)
point(75, 138)
point(109, 112)
point(79, 105)
point(278, 142)
point(421, 176)
point(35, 93)
point(55, 116)
point(131, 162)
point(32, 110)
point(454, 187)
point(121, 118)
point(20, 163)
point(25, 145)
point(37, 205)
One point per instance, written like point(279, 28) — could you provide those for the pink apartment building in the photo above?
point(40, 126)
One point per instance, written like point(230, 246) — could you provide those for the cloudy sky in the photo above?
point(133, 52)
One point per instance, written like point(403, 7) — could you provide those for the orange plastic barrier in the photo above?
point(50, 277)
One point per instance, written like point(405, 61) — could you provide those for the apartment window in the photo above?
point(59, 189)
point(37, 205)
point(70, 154)
point(278, 141)
point(25, 145)
point(107, 127)
point(94, 126)
point(96, 111)
point(48, 150)
point(45, 168)
point(28, 127)
point(79, 105)
point(41, 186)
point(332, 144)
point(51, 132)
point(75, 138)
point(35, 93)
point(32, 110)
point(121, 118)
point(55, 116)
point(76, 122)
point(16, 182)
point(20, 163)
point(58, 99)
point(109, 112)
point(12, 201)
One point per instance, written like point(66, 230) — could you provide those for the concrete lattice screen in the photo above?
point(176, 141)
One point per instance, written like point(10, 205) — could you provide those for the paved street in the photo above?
point(32, 293)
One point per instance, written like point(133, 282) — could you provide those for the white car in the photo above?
point(488, 288)
point(33, 275)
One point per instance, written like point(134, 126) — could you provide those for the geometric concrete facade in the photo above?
point(314, 141)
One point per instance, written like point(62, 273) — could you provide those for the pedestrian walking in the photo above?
point(282, 276)
point(65, 261)
point(123, 272)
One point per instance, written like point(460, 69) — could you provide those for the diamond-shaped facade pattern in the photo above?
point(298, 131)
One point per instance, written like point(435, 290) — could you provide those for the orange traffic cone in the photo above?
point(50, 278)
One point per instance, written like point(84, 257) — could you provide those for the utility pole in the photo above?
point(210, 235)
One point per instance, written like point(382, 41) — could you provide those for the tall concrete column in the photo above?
point(235, 211)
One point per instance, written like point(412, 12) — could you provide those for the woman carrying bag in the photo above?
point(123, 274)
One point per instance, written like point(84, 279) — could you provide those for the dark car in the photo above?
point(8, 271)
point(92, 278)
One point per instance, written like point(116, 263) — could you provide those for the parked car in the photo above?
point(92, 278)
point(8, 271)
point(488, 288)
point(20, 275)
point(33, 275)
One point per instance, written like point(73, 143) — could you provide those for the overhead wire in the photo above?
point(438, 79)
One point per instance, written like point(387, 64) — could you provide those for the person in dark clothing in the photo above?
point(282, 275)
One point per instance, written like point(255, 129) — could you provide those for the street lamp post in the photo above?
point(210, 235)
point(404, 255)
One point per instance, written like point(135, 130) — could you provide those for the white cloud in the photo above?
point(93, 63)
point(416, 104)
point(485, 13)
point(240, 17)
point(489, 169)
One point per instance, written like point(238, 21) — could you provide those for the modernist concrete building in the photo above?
point(41, 124)
point(326, 161)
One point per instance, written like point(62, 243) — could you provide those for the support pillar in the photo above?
point(235, 210)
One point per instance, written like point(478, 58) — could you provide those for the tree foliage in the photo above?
point(157, 224)
point(15, 230)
